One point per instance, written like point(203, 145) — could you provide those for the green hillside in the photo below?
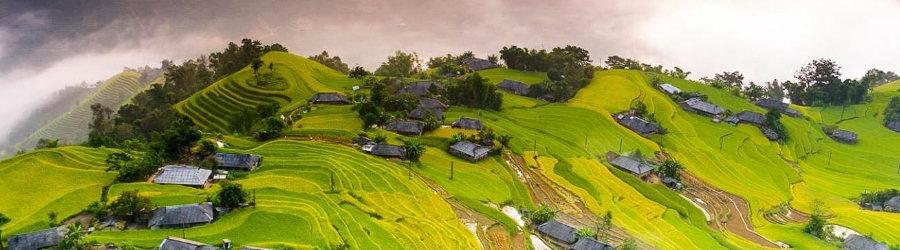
point(72, 127)
point(291, 82)
point(373, 205)
point(63, 180)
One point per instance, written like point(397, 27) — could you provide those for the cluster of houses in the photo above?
point(53, 237)
point(464, 149)
point(177, 216)
point(565, 236)
point(890, 205)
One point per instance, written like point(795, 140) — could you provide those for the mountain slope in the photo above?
point(291, 82)
point(72, 127)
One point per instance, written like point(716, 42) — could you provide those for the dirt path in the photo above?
point(572, 209)
point(727, 211)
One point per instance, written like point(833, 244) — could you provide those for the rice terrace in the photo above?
point(254, 145)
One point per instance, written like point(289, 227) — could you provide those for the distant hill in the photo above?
point(61, 102)
point(291, 82)
point(72, 127)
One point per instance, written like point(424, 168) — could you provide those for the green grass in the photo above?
point(298, 78)
point(374, 205)
point(72, 127)
point(510, 101)
point(63, 180)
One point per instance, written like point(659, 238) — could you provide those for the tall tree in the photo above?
point(3, 220)
point(333, 62)
point(231, 195)
point(731, 79)
point(818, 79)
point(774, 90)
point(131, 205)
point(414, 150)
point(400, 65)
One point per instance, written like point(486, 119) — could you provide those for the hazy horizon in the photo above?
point(45, 45)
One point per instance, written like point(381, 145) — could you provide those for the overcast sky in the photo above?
point(45, 45)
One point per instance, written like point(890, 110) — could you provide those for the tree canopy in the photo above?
point(333, 62)
point(401, 64)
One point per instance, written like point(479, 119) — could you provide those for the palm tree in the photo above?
point(414, 150)
point(3, 221)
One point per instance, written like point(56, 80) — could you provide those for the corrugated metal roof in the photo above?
point(631, 165)
point(669, 88)
point(182, 175)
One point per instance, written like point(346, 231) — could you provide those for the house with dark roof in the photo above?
point(513, 87)
point(636, 124)
point(747, 117)
point(669, 89)
point(421, 88)
point(892, 204)
point(254, 248)
point(179, 216)
point(420, 113)
point(230, 161)
point(329, 98)
point(770, 134)
point(173, 243)
point(37, 240)
point(469, 151)
point(857, 242)
point(476, 64)
point(182, 175)
point(468, 123)
point(699, 106)
point(844, 136)
point(793, 112)
point(671, 182)
point(590, 244)
point(388, 151)
point(406, 127)
point(430, 103)
point(558, 233)
point(628, 164)
point(768, 103)
point(895, 126)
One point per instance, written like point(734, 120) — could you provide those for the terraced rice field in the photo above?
point(63, 180)
point(298, 79)
point(373, 205)
point(72, 127)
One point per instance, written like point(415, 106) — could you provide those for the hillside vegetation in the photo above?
point(291, 82)
point(72, 127)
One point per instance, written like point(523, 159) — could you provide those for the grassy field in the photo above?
point(72, 127)
point(63, 180)
point(291, 82)
point(510, 101)
point(373, 206)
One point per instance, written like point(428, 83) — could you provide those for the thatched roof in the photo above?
point(182, 175)
point(406, 127)
point(37, 240)
point(386, 150)
point(182, 215)
point(476, 64)
point(173, 243)
point(638, 125)
point(468, 123)
point(748, 117)
point(237, 161)
point(430, 103)
point(514, 87)
point(701, 106)
point(421, 112)
point(768, 103)
point(844, 136)
point(856, 242)
point(770, 134)
point(421, 88)
point(331, 98)
point(558, 231)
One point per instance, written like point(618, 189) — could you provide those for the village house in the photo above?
point(329, 98)
point(179, 216)
point(700, 107)
point(590, 244)
point(671, 182)
point(421, 88)
point(513, 87)
point(669, 89)
point(173, 243)
point(895, 126)
point(770, 134)
point(857, 242)
point(558, 233)
point(892, 204)
point(750, 117)
point(420, 113)
point(414, 128)
point(434, 104)
point(183, 175)
point(782, 107)
point(469, 151)
point(467, 123)
point(475, 64)
point(388, 151)
point(638, 125)
point(844, 136)
point(37, 240)
point(245, 162)
point(630, 165)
